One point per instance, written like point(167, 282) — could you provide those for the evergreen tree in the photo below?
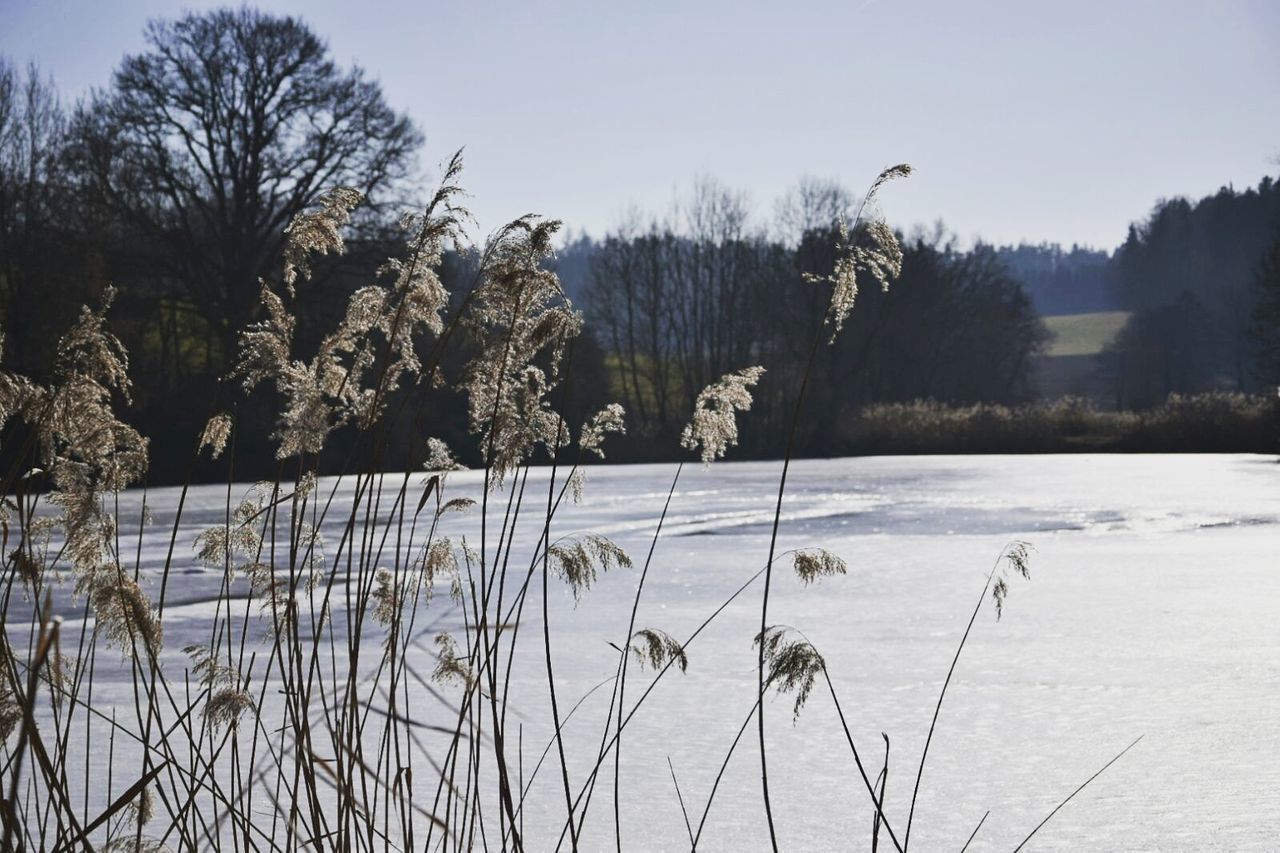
point(1266, 317)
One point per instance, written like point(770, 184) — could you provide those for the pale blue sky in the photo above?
point(1025, 119)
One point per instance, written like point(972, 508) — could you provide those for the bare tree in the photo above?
point(206, 144)
point(632, 297)
point(812, 205)
point(35, 248)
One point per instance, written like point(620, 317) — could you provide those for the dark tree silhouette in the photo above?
point(679, 302)
point(42, 261)
point(1266, 317)
point(1062, 281)
point(1210, 249)
point(1160, 351)
point(206, 145)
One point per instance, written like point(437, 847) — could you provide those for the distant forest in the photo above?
point(961, 326)
point(1063, 281)
point(175, 181)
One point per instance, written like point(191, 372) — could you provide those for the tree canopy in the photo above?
point(205, 145)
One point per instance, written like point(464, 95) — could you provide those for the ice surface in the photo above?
point(1153, 609)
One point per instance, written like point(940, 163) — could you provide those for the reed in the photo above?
point(352, 687)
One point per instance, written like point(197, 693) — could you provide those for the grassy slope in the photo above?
point(1083, 334)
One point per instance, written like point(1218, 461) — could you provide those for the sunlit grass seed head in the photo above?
point(812, 564)
point(713, 428)
point(792, 665)
point(655, 649)
point(580, 560)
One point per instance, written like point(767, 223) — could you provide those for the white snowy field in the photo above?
point(1153, 609)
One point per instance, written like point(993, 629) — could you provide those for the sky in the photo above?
point(1024, 119)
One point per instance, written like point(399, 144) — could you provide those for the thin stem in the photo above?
point(915, 791)
point(625, 659)
point(1071, 796)
point(974, 834)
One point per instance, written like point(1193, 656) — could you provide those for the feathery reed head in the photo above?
point(893, 173)
point(28, 567)
point(450, 666)
point(215, 434)
point(440, 458)
point(793, 665)
point(227, 705)
point(814, 563)
point(610, 419)
point(460, 505)
point(655, 649)
point(881, 257)
point(372, 351)
point(577, 483)
point(317, 231)
point(393, 592)
point(124, 613)
point(1016, 556)
point(522, 315)
point(714, 427)
point(88, 352)
point(579, 560)
point(208, 670)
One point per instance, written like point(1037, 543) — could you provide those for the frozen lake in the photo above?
point(1153, 609)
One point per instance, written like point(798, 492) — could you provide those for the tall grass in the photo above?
point(1224, 422)
point(334, 700)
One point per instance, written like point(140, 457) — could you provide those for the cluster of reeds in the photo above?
point(354, 693)
point(1216, 421)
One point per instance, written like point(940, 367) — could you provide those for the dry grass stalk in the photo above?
point(288, 702)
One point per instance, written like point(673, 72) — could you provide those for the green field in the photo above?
point(1083, 334)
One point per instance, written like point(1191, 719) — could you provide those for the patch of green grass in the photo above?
point(1084, 334)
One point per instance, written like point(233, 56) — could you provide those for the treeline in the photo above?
point(1201, 280)
point(1204, 295)
point(174, 183)
point(676, 302)
point(1063, 281)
